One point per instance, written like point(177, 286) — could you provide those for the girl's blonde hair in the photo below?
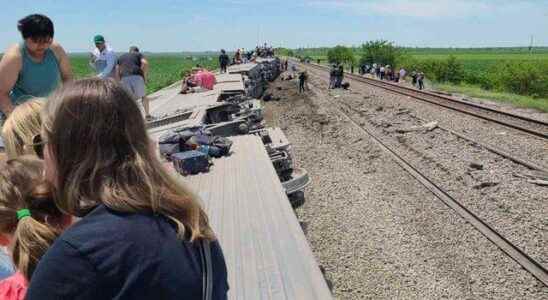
point(22, 187)
point(98, 142)
point(21, 126)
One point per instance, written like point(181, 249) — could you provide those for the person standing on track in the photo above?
point(223, 60)
point(402, 74)
point(340, 76)
point(414, 78)
point(420, 79)
point(34, 67)
point(132, 71)
point(103, 58)
point(382, 72)
point(302, 81)
point(332, 77)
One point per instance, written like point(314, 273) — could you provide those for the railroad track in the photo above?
point(531, 126)
point(513, 251)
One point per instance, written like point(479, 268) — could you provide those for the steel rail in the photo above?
point(451, 103)
point(514, 252)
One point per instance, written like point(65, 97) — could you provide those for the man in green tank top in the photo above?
point(33, 68)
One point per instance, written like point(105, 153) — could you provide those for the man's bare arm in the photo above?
point(64, 62)
point(10, 66)
point(144, 68)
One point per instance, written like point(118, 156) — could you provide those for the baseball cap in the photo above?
point(99, 39)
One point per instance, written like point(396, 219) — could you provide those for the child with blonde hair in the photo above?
point(29, 220)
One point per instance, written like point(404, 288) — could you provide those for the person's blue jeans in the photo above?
point(6, 266)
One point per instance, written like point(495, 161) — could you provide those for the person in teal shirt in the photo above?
point(34, 67)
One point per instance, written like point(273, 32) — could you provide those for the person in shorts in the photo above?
point(132, 69)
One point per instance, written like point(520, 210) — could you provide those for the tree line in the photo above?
point(520, 77)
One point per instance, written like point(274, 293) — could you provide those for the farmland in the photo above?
point(512, 75)
point(164, 68)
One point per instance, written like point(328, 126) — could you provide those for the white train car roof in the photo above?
point(266, 251)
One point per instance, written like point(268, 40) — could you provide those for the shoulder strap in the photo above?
point(207, 270)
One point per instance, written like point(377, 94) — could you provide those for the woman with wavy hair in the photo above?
point(143, 234)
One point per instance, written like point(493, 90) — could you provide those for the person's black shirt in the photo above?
point(130, 64)
point(111, 255)
point(224, 59)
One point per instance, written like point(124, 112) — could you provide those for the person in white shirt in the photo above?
point(103, 59)
point(403, 72)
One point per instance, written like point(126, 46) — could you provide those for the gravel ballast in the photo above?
point(376, 230)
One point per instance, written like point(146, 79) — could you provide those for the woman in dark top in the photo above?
point(141, 230)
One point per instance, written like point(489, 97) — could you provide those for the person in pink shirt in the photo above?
point(205, 79)
point(29, 220)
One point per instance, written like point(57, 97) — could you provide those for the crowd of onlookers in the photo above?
point(386, 72)
point(241, 56)
point(87, 209)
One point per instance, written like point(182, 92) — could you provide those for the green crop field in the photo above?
point(164, 69)
point(512, 75)
point(482, 61)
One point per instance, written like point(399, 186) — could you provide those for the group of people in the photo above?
point(417, 79)
point(386, 72)
point(264, 51)
point(38, 65)
point(131, 69)
point(336, 76)
point(241, 56)
point(87, 210)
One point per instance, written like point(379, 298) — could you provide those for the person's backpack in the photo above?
point(190, 162)
point(220, 144)
point(173, 142)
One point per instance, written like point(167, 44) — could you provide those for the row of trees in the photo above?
point(380, 52)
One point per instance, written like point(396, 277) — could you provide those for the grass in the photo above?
point(477, 63)
point(165, 69)
point(477, 92)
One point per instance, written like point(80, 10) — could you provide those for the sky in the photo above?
point(199, 25)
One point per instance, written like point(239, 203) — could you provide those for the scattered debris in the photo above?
point(380, 108)
point(426, 127)
point(538, 182)
point(402, 111)
point(357, 140)
point(476, 165)
point(267, 97)
point(486, 184)
point(534, 177)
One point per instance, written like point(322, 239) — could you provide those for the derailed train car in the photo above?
point(246, 189)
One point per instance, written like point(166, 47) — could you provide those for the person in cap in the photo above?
point(34, 67)
point(132, 71)
point(103, 58)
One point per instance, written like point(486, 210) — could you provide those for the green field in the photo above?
point(512, 75)
point(482, 61)
point(164, 69)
